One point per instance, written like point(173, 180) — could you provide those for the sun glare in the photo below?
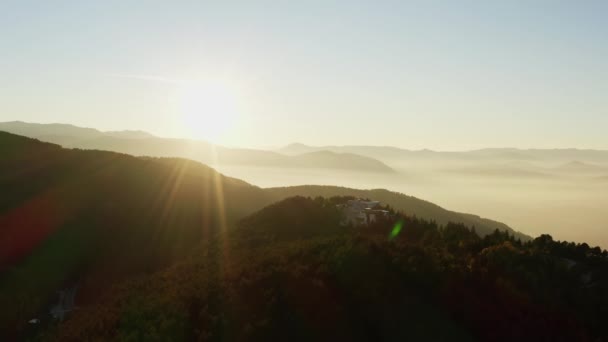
point(208, 110)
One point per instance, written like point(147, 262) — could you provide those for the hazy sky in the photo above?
point(444, 75)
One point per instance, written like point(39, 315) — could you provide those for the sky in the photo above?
point(445, 75)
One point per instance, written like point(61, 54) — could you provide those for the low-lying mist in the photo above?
point(567, 201)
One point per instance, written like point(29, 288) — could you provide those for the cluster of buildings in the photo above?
point(361, 213)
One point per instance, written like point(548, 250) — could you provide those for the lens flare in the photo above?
point(396, 230)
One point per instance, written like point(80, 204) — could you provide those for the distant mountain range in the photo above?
point(140, 143)
point(390, 154)
point(506, 162)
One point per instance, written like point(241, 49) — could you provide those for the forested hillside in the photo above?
point(400, 202)
point(99, 216)
point(96, 218)
point(290, 272)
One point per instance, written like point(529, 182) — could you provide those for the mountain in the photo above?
point(347, 161)
point(130, 134)
point(390, 154)
point(98, 217)
point(384, 153)
point(290, 272)
point(35, 130)
point(217, 155)
point(140, 143)
point(54, 133)
point(407, 204)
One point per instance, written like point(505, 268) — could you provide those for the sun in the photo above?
point(208, 109)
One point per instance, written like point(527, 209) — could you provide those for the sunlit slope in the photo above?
point(408, 204)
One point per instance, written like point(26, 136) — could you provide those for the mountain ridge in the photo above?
point(391, 153)
point(141, 143)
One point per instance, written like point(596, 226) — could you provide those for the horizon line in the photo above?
point(285, 145)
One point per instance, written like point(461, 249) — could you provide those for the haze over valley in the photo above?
point(521, 188)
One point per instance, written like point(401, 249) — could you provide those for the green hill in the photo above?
point(99, 216)
point(96, 218)
point(400, 202)
point(418, 282)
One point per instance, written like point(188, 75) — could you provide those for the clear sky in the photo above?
point(446, 75)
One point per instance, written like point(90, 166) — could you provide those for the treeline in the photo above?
point(290, 272)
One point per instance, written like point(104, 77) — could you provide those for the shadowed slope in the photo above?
point(426, 283)
point(99, 216)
